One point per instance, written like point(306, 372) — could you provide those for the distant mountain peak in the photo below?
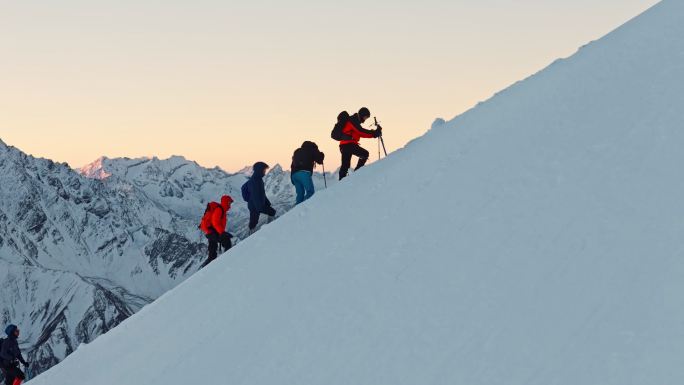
point(96, 169)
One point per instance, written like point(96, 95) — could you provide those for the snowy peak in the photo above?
point(96, 169)
point(247, 170)
point(277, 169)
point(152, 168)
point(60, 220)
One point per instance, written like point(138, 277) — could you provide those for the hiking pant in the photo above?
point(254, 216)
point(13, 375)
point(214, 240)
point(347, 151)
point(8, 380)
point(303, 182)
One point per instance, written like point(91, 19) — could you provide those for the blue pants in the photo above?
point(303, 183)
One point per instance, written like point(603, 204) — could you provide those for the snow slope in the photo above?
point(536, 239)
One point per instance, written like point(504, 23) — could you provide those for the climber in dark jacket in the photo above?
point(10, 357)
point(304, 160)
point(255, 194)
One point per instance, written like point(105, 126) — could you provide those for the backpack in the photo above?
point(298, 161)
point(303, 156)
point(245, 191)
point(337, 132)
point(205, 223)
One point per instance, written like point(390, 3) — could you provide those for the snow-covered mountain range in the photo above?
point(184, 187)
point(80, 251)
point(536, 239)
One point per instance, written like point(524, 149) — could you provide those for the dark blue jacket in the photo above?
point(257, 192)
point(10, 351)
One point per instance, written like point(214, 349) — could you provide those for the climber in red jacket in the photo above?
point(214, 227)
point(350, 144)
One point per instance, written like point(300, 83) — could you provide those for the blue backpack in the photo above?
point(245, 191)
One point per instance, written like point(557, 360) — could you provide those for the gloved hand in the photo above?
point(378, 132)
point(27, 364)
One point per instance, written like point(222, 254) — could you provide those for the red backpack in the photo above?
point(205, 223)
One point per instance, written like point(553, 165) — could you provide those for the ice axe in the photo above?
point(380, 139)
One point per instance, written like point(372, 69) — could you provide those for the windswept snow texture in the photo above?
point(536, 239)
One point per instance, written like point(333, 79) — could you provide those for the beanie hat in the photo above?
point(259, 168)
point(10, 329)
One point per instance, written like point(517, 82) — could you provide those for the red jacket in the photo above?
point(356, 134)
point(216, 217)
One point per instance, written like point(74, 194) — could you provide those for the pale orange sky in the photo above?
point(228, 83)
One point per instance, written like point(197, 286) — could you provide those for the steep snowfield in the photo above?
point(536, 239)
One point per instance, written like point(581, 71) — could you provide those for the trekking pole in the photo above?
point(378, 148)
point(325, 181)
point(380, 139)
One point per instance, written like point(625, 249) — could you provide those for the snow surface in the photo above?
point(536, 239)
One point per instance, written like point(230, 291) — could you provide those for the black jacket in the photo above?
point(304, 157)
point(356, 121)
point(10, 351)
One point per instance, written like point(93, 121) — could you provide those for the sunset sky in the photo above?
point(228, 83)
